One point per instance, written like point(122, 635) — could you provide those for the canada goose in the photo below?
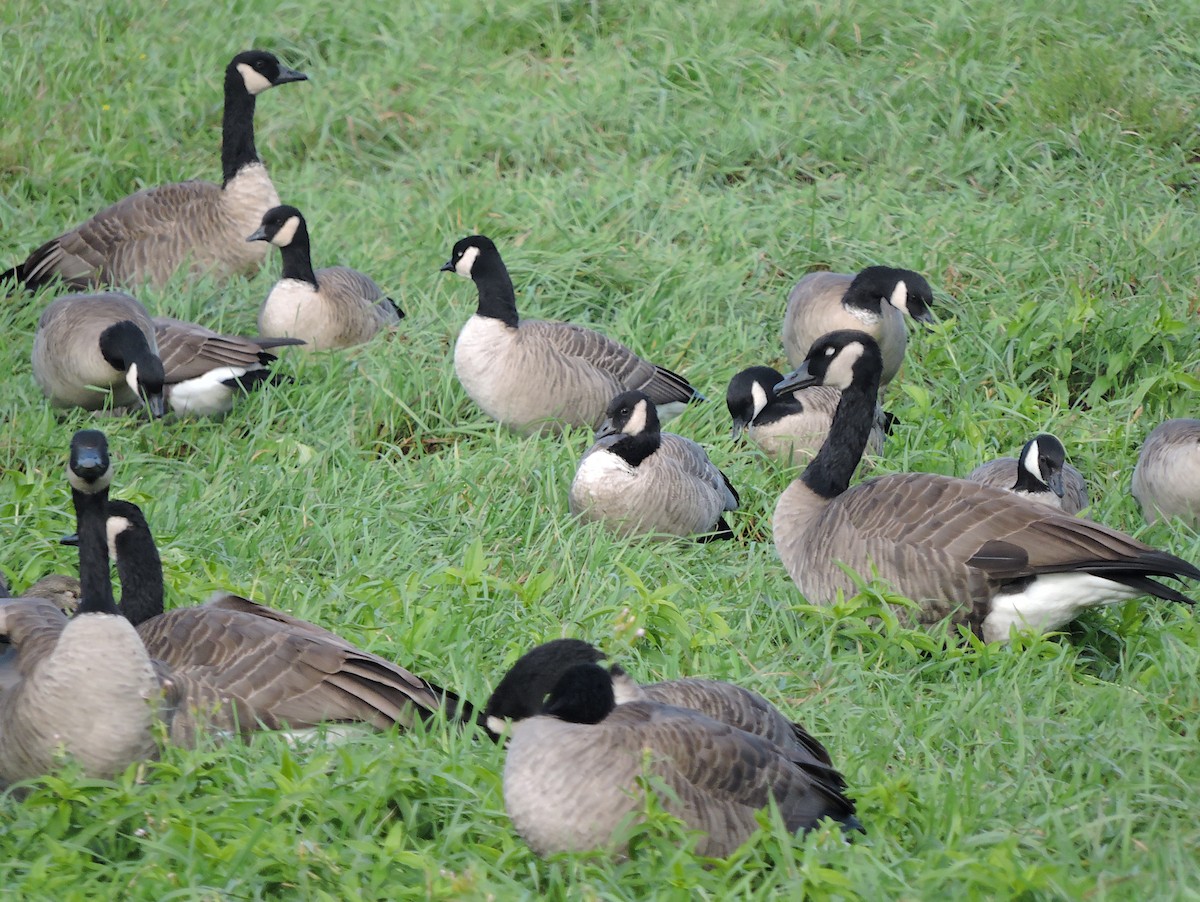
point(985, 556)
point(788, 428)
point(874, 301)
point(86, 688)
point(335, 307)
point(640, 481)
point(88, 346)
point(533, 375)
point(1041, 473)
point(147, 236)
point(1166, 480)
point(574, 772)
point(523, 689)
point(282, 670)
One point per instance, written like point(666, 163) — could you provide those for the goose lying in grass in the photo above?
point(578, 751)
point(984, 556)
point(1041, 473)
point(533, 375)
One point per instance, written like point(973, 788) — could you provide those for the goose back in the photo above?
point(1166, 479)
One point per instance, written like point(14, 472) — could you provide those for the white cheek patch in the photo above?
point(466, 262)
point(86, 487)
point(114, 527)
point(899, 298)
point(131, 379)
point(497, 724)
point(1029, 462)
point(841, 370)
point(637, 420)
point(254, 80)
point(758, 395)
point(283, 237)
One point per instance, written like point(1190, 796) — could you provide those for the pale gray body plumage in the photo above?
point(67, 363)
point(1166, 479)
point(87, 692)
point(570, 787)
point(347, 309)
point(335, 307)
point(639, 480)
point(815, 307)
point(676, 491)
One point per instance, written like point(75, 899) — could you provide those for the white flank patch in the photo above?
point(636, 424)
point(113, 527)
point(758, 395)
point(205, 395)
point(1050, 601)
point(286, 232)
point(254, 80)
point(466, 262)
point(899, 298)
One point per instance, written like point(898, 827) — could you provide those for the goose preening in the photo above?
point(86, 689)
point(990, 559)
point(93, 350)
point(789, 428)
point(874, 301)
point(334, 307)
point(1041, 473)
point(637, 480)
point(533, 375)
point(146, 237)
point(1166, 479)
point(577, 752)
point(277, 670)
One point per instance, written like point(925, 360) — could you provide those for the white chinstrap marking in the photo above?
point(254, 80)
point(466, 262)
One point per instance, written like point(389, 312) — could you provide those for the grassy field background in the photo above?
point(664, 172)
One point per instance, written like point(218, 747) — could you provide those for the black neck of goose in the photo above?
point(297, 257)
point(497, 297)
point(830, 472)
point(237, 126)
point(139, 568)
point(633, 449)
point(95, 581)
point(1027, 482)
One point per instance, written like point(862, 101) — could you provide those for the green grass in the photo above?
point(664, 172)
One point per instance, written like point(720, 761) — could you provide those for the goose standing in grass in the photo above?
point(146, 237)
point(638, 480)
point(874, 301)
point(1166, 479)
point(789, 428)
point(86, 689)
point(573, 776)
point(276, 669)
point(1041, 474)
point(986, 557)
point(334, 307)
point(93, 350)
point(533, 375)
